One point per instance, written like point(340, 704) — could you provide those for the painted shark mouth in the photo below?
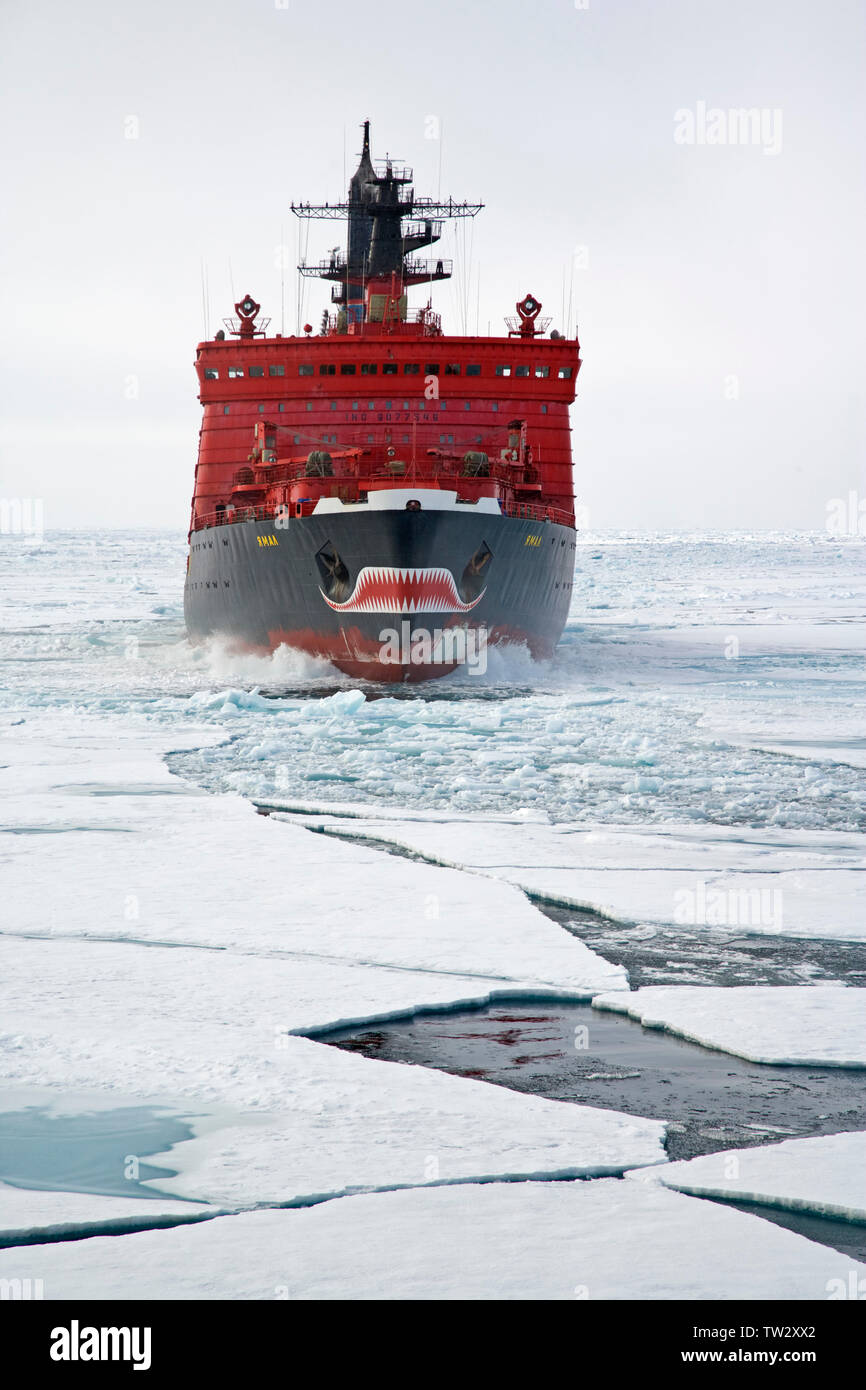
point(386, 589)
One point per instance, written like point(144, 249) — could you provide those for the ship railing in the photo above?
point(533, 511)
point(426, 318)
point(232, 514)
point(529, 511)
point(443, 471)
point(327, 266)
point(432, 265)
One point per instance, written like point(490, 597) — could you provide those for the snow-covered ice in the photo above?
point(825, 1175)
point(62, 1215)
point(697, 732)
point(570, 1241)
point(199, 870)
point(280, 1117)
point(805, 1025)
point(272, 932)
point(771, 882)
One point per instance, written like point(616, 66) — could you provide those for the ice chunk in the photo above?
point(584, 1241)
point(809, 1025)
point(824, 1175)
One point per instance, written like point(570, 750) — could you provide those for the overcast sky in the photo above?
point(718, 288)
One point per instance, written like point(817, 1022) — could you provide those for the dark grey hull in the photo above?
point(333, 584)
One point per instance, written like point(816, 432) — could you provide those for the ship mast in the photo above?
point(387, 224)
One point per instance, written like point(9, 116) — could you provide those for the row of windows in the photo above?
point(564, 373)
point(371, 439)
point(388, 369)
point(371, 405)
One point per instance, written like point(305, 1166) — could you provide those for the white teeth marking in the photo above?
point(389, 577)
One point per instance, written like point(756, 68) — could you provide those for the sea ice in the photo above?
point(198, 870)
point(278, 1117)
point(201, 939)
point(771, 882)
point(26, 1211)
point(574, 1241)
point(824, 1175)
point(805, 1025)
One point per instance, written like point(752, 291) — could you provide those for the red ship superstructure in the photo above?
point(342, 476)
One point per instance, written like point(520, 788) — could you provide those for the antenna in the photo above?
point(204, 299)
point(283, 280)
point(563, 319)
point(439, 184)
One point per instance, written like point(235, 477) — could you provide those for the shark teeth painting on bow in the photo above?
point(387, 589)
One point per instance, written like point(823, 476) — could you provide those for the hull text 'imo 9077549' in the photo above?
point(382, 494)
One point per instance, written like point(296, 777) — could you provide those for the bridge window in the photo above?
point(225, 410)
point(305, 369)
point(542, 371)
point(347, 369)
point(467, 405)
point(503, 371)
point(452, 368)
point(431, 369)
point(261, 409)
point(257, 371)
point(235, 372)
point(211, 374)
point(495, 405)
point(281, 406)
point(411, 368)
point(309, 405)
point(473, 369)
point(369, 369)
point(564, 374)
point(296, 439)
point(544, 410)
point(333, 405)
point(327, 369)
point(522, 371)
point(276, 370)
point(389, 369)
